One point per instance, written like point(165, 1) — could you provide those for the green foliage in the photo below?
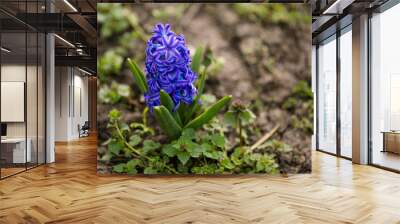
point(109, 63)
point(275, 145)
point(209, 113)
point(302, 90)
point(114, 18)
point(300, 102)
point(211, 64)
point(303, 123)
point(167, 122)
point(138, 75)
point(167, 102)
point(239, 116)
point(113, 94)
point(290, 103)
point(132, 150)
point(197, 59)
point(274, 13)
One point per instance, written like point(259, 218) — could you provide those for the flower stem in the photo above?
point(239, 125)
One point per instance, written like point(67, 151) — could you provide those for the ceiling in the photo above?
point(327, 13)
point(74, 22)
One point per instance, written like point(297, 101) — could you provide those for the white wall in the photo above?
point(15, 73)
point(62, 81)
point(71, 94)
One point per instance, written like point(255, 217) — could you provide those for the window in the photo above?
point(385, 89)
point(327, 95)
point(22, 101)
point(346, 92)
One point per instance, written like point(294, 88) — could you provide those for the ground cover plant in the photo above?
point(167, 104)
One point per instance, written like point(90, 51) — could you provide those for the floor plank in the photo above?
point(70, 191)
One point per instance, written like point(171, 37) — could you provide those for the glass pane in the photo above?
point(31, 97)
point(346, 94)
point(14, 153)
point(41, 99)
point(327, 96)
point(32, 86)
point(385, 84)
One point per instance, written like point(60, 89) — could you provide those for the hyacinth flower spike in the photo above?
point(169, 82)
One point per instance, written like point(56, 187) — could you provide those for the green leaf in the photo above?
point(134, 140)
point(212, 154)
point(195, 105)
point(133, 163)
point(208, 58)
point(138, 75)
point(182, 168)
point(230, 118)
point(132, 171)
point(194, 149)
point(218, 140)
point(197, 152)
point(114, 115)
point(227, 164)
point(200, 84)
point(150, 145)
point(131, 166)
point(115, 147)
point(247, 116)
point(197, 58)
point(207, 147)
point(170, 150)
point(183, 156)
point(188, 134)
point(260, 166)
point(166, 101)
point(119, 168)
point(236, 160)
point(167, 122)
point(106, 157)
point(150, 170)
point(141, 128)
point(207, 115)
point(124, 127)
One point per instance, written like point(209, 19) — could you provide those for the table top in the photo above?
point(13, 140)
point(391, 132)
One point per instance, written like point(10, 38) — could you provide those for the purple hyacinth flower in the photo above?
point(168, 68)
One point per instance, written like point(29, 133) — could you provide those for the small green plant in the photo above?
point(238, 116)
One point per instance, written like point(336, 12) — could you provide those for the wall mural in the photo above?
point(204, 88)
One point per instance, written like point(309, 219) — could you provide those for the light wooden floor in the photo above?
point(69, 191)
